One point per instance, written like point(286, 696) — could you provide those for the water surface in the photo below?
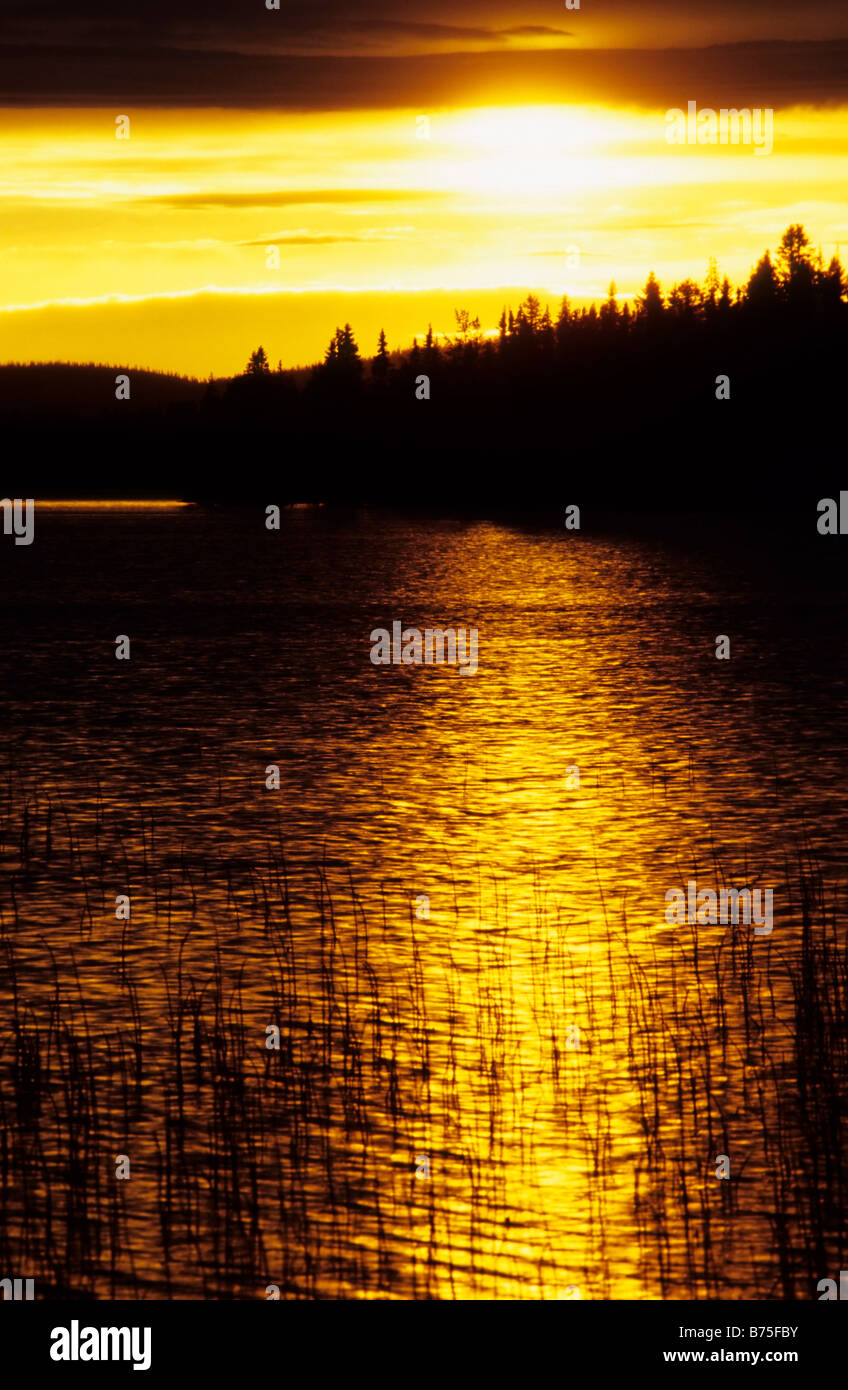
point(500, 1073)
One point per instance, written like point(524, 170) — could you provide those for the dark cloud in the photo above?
point(236, 14)
point(316, 239)
point(453, 33)
point(750, 74)
point(259, 198)
point(409, 29)
point(332, 54)
point(318, 24)
point(539, 31)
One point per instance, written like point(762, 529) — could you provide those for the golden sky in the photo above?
point(543, 165)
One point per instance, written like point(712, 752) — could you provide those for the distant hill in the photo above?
point(699, 399)
point(87, 389)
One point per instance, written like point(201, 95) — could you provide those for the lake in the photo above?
point(397, 1010)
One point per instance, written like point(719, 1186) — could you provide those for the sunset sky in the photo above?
point(546, 165)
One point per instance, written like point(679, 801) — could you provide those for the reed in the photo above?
point(549, 1166)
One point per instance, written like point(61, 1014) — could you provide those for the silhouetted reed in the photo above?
point(550, 1166)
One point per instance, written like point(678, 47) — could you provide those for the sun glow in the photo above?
point(160, 249)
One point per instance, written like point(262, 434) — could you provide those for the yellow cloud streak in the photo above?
point(191, 203)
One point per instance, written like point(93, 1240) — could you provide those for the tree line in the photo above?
point(795, 285)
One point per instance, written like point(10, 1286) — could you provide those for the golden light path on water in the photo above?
point(565, 917)
point(463, 946)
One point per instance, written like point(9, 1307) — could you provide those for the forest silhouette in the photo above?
point(701, 390)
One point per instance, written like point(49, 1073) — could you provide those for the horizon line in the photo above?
point(67, 503)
